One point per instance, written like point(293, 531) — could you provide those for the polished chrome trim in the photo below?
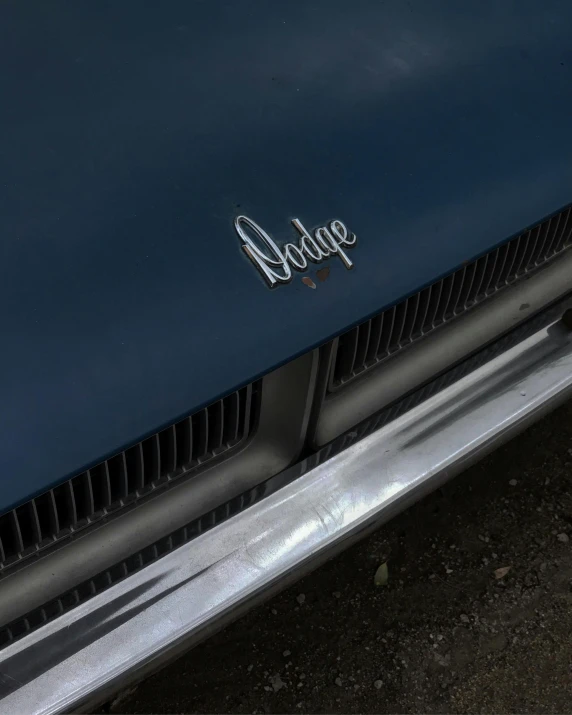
point(327, 241)
point(129, 628)
point(438, 351)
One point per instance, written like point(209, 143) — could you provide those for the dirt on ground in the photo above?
point(476, 615)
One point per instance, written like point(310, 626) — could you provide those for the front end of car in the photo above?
point(222, 368)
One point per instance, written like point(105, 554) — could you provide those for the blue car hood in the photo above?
point(132, 134)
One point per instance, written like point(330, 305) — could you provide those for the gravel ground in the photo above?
point(476, 615)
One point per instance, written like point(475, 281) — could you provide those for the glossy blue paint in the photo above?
point(132, 133)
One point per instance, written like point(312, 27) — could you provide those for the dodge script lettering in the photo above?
point(276, 264)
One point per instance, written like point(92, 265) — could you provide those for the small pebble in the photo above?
point(337, 594)
point(338, 682)
point(378, 684)
point(286, 653)
point(564, 538)
point(301, 598)
point(513, 482)
point(277, 683)
point(464, 618)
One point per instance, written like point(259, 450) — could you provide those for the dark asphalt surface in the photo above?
point(449, 633)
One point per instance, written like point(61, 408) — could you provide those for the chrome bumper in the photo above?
point(120, 634)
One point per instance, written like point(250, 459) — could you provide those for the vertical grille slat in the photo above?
point(87, 494)
point(168, 450)
point(151, 460)
point(118, 485)
point(374, 339)
point(387, 332)
point(404, 323)
point(201, 433)
point(521, 256)
point(25, 526)
point(456, 305)
point(456, 288)
point(215, 414)
point(106, 485)
point(562, 230)
point(16, 532)
point(398, 325)
point(530, 249)
point(231, 420)
point(124, 475)
point(468, 281)
point(524, 250)
point(347, 347)
point(558, 220)
point(493, 260)
point(411, 313)
point(242, 398)
point(82, 496)
point(156, 442)
point(422, 312)
point(174, 446)
point(503, 252)
point(54, 520)
point(566, 239)
point(47, 515)
point(135, 468)
point(9, 544)
point(69, 501)
point(246, 413)
point(364, 334)
point(479, 277)
point(129, 475)
point(544, 240)
point(184, 430)
point(510, 260)
point(445, 299)
point(100, 486)
point(36, 530)
point(434, 300)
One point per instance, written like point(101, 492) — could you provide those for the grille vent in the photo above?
point(389, 332)
point(84, 591)
point(128, 476)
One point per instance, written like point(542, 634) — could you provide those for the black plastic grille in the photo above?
point(389, 332)
point(128, 476)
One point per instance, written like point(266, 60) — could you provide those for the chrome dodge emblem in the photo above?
point(276, 263)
